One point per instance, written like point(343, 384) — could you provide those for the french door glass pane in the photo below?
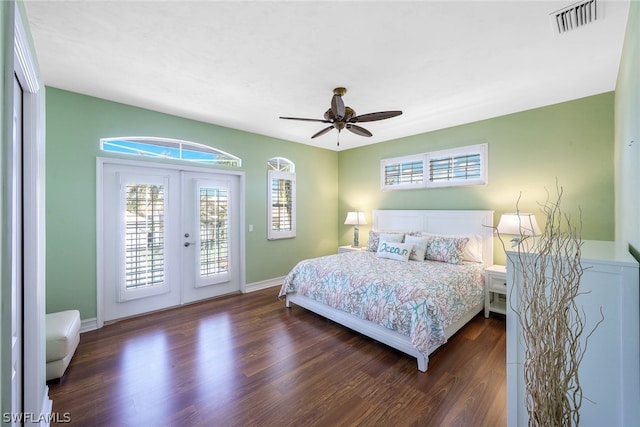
point(144, 236)
point(214, 231)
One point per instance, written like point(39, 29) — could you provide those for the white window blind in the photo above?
point(444, 168)
point(458, 166)
point(144, 236)
point(403, 172)
point(214, 231)
point(282, 205)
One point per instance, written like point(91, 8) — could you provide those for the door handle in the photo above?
point(187, 244)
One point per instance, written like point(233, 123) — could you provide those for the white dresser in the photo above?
point(610, 371)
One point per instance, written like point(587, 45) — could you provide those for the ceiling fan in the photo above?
point(341, 117)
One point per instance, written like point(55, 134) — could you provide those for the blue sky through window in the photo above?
point(169, 149)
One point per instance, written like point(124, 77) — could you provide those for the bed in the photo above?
point(413, 306)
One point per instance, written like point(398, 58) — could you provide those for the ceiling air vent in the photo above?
point(576, 16)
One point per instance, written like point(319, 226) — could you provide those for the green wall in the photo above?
point(627, 135)
point(572, 142)
point(75, 124)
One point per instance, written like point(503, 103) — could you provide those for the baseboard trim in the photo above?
point(87, 325)
point(263, 284)
point(91, 324)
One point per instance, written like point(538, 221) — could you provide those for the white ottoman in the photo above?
point(63, 336)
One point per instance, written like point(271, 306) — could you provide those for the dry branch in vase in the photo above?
point(553, 325)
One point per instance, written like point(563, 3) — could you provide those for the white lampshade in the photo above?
point(355, 218)
point(519, 224)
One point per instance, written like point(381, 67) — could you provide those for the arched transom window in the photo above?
point(169, 149)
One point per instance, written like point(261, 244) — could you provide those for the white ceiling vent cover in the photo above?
point(576, 16)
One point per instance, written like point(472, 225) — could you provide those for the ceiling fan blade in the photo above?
point(358, 130)
point(337, 106)
point(322, 132)
point(306, 120)
point(372, 117)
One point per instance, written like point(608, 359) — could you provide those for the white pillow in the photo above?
point(419, 250)
point(394, 250)
point(376, 236)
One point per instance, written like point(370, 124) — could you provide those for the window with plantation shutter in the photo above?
point(458, 166)
point(464, 167)
point(214, 230)
point(282, 199)
point(444, 168)
point(144, 246)
point(403, 173)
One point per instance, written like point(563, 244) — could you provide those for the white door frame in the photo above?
point(100, 162)
point(35, 399)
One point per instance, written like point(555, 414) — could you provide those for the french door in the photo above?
point(169, 237)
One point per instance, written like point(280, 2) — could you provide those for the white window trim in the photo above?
point(281, 234)
point(482, 149)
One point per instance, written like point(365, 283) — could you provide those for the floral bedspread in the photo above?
point(417, 299)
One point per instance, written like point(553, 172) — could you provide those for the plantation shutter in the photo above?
point(402, 173)
point(282, 196)
point(144, 249)
point(462, 167)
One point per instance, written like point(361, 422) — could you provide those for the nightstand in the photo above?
point(495, 290)
point(349, 248)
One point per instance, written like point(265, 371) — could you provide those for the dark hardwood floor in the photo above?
point(246, 360)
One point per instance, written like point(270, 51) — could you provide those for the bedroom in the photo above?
point(331, 182)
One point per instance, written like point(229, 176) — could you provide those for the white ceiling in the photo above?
point(243, 64)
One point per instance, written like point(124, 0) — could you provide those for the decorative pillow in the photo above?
point(473, 249)
point(394, 250)
point(374, 239)
point(419, 250)
point(446, 249)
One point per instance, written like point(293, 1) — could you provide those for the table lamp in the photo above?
point(519, 225)
point(355, 218)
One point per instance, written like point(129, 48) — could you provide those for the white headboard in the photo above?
point(440, 222)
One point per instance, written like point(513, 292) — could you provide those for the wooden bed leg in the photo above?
point(287, 303)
